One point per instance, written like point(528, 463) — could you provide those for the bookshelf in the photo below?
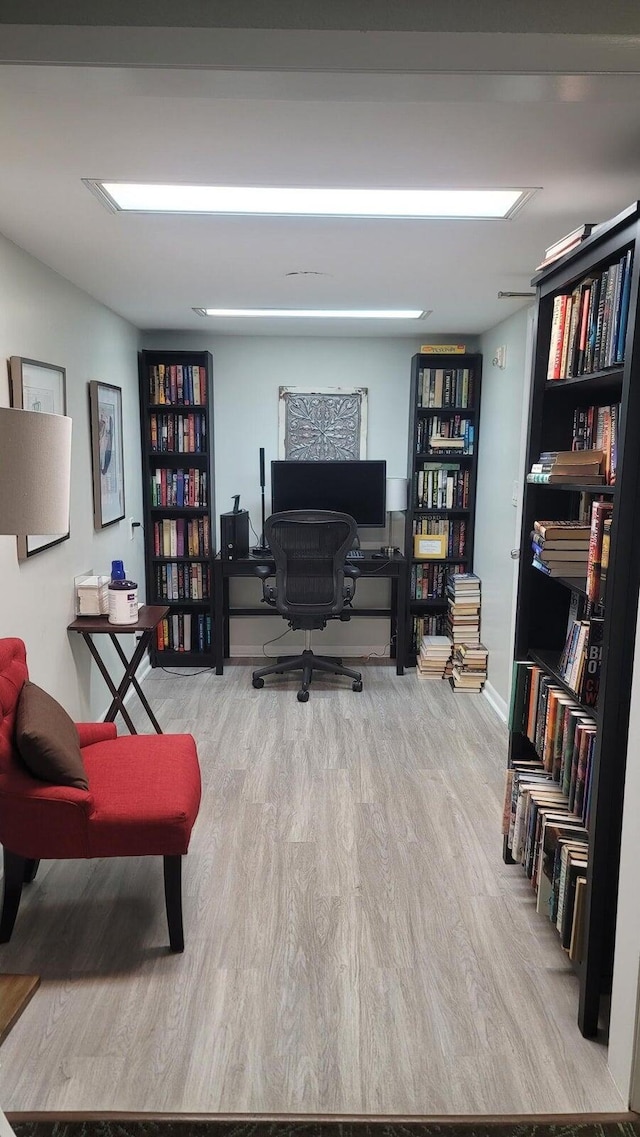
point(444, 402)
point(178, 497)
point(544, 602)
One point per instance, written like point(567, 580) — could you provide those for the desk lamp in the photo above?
point(35, 470)
point(396, 502)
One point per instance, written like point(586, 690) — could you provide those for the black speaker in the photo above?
point(234, 535)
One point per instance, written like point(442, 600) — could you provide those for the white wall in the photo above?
point(44, 317)
point(247, 372)
point(499, 466)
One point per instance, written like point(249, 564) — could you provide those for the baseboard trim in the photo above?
point(352, 651)
point(464, 1120)
point(495, 701)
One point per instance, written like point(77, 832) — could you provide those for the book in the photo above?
point(600, 511)
point(604, 558)
point(577, 927)
point(565, 244)
point(549, 478)
point(558, 530)
point(442, 349)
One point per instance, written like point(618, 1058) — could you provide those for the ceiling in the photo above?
point(575, 136)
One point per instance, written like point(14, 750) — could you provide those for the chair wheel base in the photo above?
point(258, 683)
point(303, 696)
point(356, 685)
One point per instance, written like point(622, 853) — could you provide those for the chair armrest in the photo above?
point(268, 590)
point(353, 571)
point(90, 732)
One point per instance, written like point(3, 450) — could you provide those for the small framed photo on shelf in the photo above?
point(40, 387)
point(107, 453)
point(428, 546)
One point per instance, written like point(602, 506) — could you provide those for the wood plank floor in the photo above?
point(354, 942)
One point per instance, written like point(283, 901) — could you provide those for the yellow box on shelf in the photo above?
point(428, 546)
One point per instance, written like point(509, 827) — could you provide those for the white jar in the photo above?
point(123, 602)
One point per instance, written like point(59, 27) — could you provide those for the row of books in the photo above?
point(429, 624)
point(469, 667)
point(178, 433)
point(180, 581)
point(452, 433)
point(455, 532)
point(178, 385)
point(561, 732)
point(442, 486)
point(581, 659)
point(433, 660)
point(184, 632)
point(552, 846)
point(181, 537)
point(596, 428)
point(577, 467)
point(178, 488)
point(429, 582)
point(463, 612)
point(445, 387)
point(588, 325)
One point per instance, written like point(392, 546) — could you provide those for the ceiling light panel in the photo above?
point(316, 313)
point(312, 202)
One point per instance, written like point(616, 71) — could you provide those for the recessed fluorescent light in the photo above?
point(318, 313)
point(311, 202)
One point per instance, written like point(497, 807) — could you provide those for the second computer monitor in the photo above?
point(354, 487)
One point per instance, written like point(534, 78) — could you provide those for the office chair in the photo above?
point(313, 584)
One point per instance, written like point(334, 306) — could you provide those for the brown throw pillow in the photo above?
point(47, 739)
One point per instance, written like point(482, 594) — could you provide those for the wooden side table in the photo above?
point(149, 616)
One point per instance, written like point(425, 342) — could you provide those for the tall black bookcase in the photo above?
point(444, 400)
point(544, 602)
point(176, 392)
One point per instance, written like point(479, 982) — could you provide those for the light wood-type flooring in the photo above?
point(354, 943)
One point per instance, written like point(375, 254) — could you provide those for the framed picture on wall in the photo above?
point(37, 387)
point(322, 423)
point(107, 453)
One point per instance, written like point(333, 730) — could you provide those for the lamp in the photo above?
point(35, 476)
point(35, 472)
point(396, 502)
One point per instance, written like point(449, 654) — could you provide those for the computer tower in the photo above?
point(234, 535)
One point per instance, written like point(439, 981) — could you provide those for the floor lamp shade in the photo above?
point(35, 472)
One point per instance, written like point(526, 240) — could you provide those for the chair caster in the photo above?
point(257, 682)
point(356, 685)
point(303, 696)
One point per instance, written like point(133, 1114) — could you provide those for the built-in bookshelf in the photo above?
point(178, 494)
point(575, 632)
point(442, 469)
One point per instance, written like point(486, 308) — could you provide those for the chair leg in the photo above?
point(14, 875)
point(173, 900)
point(30, 870)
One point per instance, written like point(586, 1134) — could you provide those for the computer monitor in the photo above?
point(354, 487)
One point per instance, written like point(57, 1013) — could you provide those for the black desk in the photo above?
point(393, 568)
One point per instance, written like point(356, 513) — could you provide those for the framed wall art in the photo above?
point(107, 453)
point(37, 387)
point(322, 423)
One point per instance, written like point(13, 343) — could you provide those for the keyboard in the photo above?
point(355, 554)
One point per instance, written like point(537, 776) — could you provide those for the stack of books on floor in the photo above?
point(577, 467)
point(469, 670)
point(561, 548)
point(463, 616)
point(434, 658)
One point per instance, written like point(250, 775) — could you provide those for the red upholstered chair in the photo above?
point(143, 799)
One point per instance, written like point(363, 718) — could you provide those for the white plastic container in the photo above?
point(123, 602)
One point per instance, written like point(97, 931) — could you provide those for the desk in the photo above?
point(149, 616)
point(393, 568)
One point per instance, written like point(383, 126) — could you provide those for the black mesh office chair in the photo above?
point(313, 584)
